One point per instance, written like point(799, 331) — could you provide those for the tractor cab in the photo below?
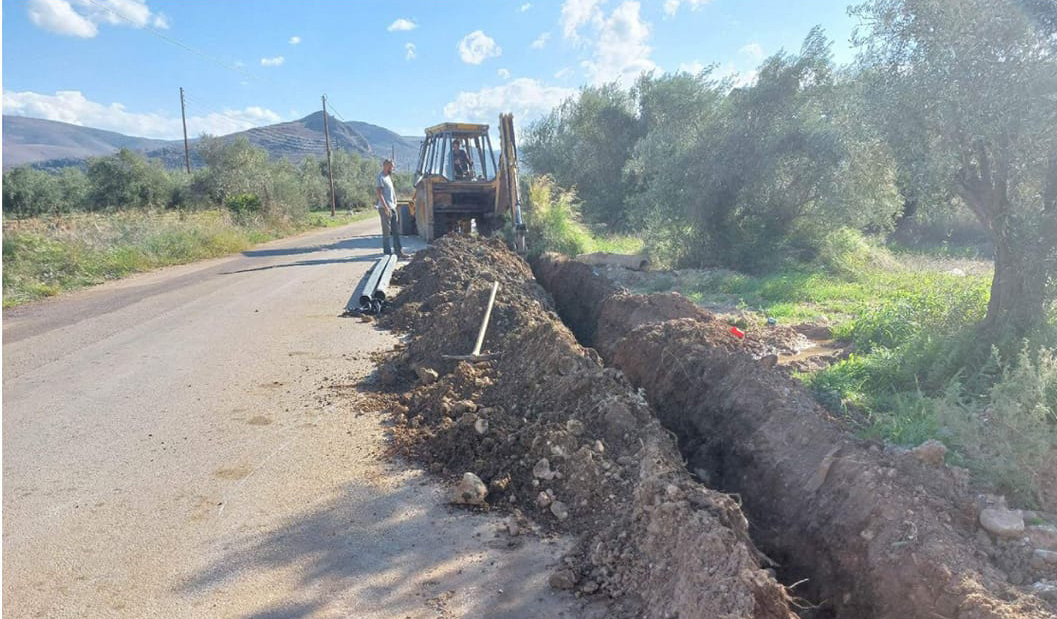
point(459, 180)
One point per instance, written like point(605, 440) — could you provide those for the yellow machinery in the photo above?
point(459, 179)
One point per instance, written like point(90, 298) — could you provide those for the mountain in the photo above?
point(45, 143)
point(32, 140)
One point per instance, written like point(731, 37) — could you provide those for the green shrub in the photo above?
point(551, 217)
point(1008, 435)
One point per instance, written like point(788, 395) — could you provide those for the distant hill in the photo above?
point(50, 144)
point(32, 140)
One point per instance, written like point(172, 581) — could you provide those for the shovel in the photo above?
point(476, 354)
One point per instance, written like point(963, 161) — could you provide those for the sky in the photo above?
point(401, 64)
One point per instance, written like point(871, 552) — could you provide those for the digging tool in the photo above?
point(476, 354)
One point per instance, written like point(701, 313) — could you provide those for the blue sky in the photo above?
point(404, 65)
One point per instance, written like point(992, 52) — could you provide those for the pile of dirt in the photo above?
point(561, 443)
point(879, 532)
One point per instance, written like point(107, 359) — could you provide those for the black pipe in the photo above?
point(381, 288)
point(372, 280)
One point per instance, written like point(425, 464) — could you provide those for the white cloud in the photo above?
point(621, 51)
point(295, 40)
point(409, 51)
point(577, 13)
point(527, 98)
point(525, 7)
point(753, 51)
point(563, 73)
point(540, 41)
point(477, 47)
point(274, 61)
point(71, 106)
point(402, 25)
point(81, 18)
point(503, 74)
point(671, 7)
point(693, 68)
point(239, 64)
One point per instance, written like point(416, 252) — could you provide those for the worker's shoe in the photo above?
point(401, 255)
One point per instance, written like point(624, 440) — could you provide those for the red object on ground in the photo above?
point(737, 332)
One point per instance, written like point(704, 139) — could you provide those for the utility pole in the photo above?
point(187, 148)
point(330, 169)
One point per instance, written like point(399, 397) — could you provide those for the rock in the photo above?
point(814, 331)
point(930, 452)
point(1043, 557)
point(1046, 590)
point(1002, 522)
point(564, 579)
point(1042, 535)
point(467, 419)
point(481, 425)
point(464, 406)
point(436, 467)
point(575, 427)
point(470, 491)
point(543, 500)
point(542, 470)
point(559, 509)
point(426, 375)
point(513, 527)
point(769, 361)
point(567, 365)
point(617, 420)
point(589, 587)
point(499, 483)
point(388, 375)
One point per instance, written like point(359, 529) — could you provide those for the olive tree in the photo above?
point(966, 92)
point(584, 144)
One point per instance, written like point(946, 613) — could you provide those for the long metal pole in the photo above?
point(330, 168)
point(187, 148)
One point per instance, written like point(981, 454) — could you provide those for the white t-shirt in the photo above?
point(386, 183)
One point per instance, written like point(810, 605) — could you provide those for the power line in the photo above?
point(217, 61)
point(330, 105)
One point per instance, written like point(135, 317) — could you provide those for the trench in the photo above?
point(860, 531)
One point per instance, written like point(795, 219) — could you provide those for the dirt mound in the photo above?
point(878, 532)
point(563, 443)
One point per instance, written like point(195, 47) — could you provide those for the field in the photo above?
point(45, 256)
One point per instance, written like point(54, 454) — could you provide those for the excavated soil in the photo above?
point(877, 531)
point(562, 443)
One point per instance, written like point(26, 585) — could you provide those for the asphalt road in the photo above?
point(187, 443)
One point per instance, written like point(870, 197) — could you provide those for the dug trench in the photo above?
point(872, 531)
point(543, 431)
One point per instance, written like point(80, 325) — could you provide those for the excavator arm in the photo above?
point(508, 158)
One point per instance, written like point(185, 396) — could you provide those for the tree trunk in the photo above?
point(1017, 304)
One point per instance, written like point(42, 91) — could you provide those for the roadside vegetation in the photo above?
point(912, 212)
point(124, 214)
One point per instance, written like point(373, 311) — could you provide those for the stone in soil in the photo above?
point(1002, 522)
point(470, 490)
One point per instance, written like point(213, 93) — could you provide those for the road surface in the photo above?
point(186, 443)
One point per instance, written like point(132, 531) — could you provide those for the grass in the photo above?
point(46, 256)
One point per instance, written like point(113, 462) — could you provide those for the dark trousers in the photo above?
point(390, 228)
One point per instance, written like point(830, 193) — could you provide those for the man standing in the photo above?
point(387, 209)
